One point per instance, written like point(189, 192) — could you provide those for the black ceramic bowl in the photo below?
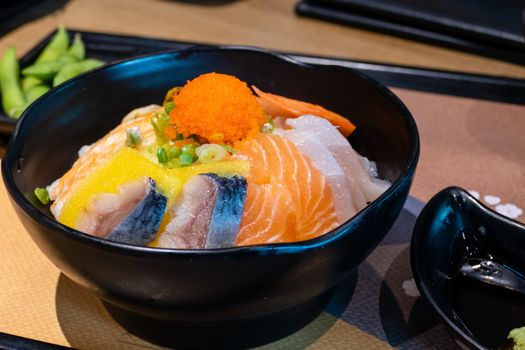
point(206, 285)
point(452, 228)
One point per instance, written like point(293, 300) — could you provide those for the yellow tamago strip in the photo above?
point(129, 165)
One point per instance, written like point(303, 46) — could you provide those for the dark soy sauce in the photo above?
point(489, 312)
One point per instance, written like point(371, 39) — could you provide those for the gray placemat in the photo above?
point(378, 306)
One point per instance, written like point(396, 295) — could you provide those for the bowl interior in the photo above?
point(81, 111)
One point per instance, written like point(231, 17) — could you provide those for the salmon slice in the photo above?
point(311, 146)
point(280, 106)
point(287, 198)
point(99, 152)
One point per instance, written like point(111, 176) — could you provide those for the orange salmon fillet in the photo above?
point(288, 200)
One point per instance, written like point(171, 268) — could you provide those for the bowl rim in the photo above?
point(18, 197)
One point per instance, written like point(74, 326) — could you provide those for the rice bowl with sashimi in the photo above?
point(112, 163)
point(217, 165)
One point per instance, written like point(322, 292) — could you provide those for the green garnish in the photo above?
point(229, 148)
point(162, 156)
point(169, 106)
point(133, 138)
point(210, 153)
point(268, 127)
point(173, 152)
point(160, 121)
point(185, 159)
point(271, 122)
point(188, 149)
point(42, 195)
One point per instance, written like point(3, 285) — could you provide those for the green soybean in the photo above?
point(77, 48)
point(13, 100)
point(48, 70)
point(56, 47)
point(35, 92)
point(28, 82)
point(73, 69)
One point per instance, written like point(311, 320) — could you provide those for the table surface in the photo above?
point(33, 282)
point(266, 23)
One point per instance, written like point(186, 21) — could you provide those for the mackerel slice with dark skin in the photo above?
point(132, 216)
point(227, 213)
point(207, 214)
point(142, 223)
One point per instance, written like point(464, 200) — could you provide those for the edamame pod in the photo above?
point(13, 100)
point(29, 82)
point(77, 48)
point(35, 92)
point(47, 70)
point(73, 69)
point(56, 47)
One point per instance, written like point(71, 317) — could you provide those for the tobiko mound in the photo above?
point(217, 166)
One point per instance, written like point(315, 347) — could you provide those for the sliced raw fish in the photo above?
point(355, 166)
point(190, 215)
point(288, 199)
point(207, 214)
point(310, 145)
point(132, 215)
point(100, 152)
point(227, 213)
point(275, 105)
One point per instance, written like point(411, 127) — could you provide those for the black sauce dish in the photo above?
point(206, 286)
point(467, 261)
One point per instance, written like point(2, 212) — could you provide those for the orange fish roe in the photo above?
point(217, 107)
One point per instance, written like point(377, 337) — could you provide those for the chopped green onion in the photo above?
point(229, 149)
point(133, 137)
point(173, 152)
point(210, 153)
point(42, 195)
point(185, 159)
point(267, 128)
point(162, 156)
point(169, 106)
point(188, 149)
point(160, 121)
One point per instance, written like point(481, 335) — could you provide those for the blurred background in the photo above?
point(461, 35)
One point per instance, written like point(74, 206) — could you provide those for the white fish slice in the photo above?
point(356, 167)
point(322, 159)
